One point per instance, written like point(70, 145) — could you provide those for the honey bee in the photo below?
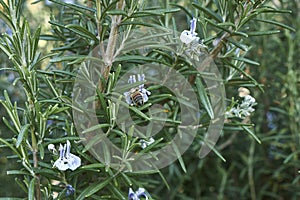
point(139, 95)
point(136, 97)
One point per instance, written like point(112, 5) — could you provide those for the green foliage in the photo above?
point(239, 35)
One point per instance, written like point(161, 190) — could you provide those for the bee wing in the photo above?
point(145, 97)
point(127, 97)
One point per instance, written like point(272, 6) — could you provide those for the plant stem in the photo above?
point(108, 56)
point(250, 170)
point(35, 165)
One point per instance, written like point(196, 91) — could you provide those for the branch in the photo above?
point(108, 56)
point(223, 40)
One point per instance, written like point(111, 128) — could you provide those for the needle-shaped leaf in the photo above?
point(31, 189)
point(22, 134)
point(246, 60)
point(81, 31)
point(204, 98)
point(93, 188)
point(209, 12)
point(263, 33)
point(276, 23)
point(251, 133)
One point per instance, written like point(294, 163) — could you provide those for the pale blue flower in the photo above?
point(271, 117)
point(69, 190)
point(140, 193)
point(193, 26)
point(66, 159)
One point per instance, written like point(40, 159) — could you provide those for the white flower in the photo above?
point(244, 109)
point(66, 159)
point(188, 36)
point(52, 149)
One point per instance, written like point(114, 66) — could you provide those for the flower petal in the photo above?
point(73, 162)
point(61, 164)
point(51, 148)
point(69, 190)
point(61, 151)
point(187, 37)
point(141, 193)
point(193, 26)
point(132, 195)
point(68, 148)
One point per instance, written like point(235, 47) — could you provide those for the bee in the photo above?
point(139, 95)
point(136, 97)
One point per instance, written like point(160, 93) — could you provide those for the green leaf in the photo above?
point(7, 123)
point(11, 110)
point(175, 148)
point(81, 31)
point(23, 132)
point(267, 9)
point(251, 133)
point(92, 189)
point(68, 58)
point(60, 140)
point(135, 58)
point(245, 60)
point(184, 9)
point(212, 147)
point(245, 74)
point(276, 23)
point(145, 13)
point(237, 44)
point(290, 157)
point(49, 37)
point(96, 127)
point(11, 147)
point(240, 34)
point(144, 172)
point(204, 98)
point(139, 113)
point(31, 189)
point(226, 24)
point(247, 19)
point(93, 166)
point(17, 172)
point(102, 101)
point(35, 41)
point(218, 26)
point(42, 151)
point(209, 12)
point(117, 191)
point(262, 33)
point(78, 7)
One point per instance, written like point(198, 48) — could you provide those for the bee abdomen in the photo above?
point(137, 98)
